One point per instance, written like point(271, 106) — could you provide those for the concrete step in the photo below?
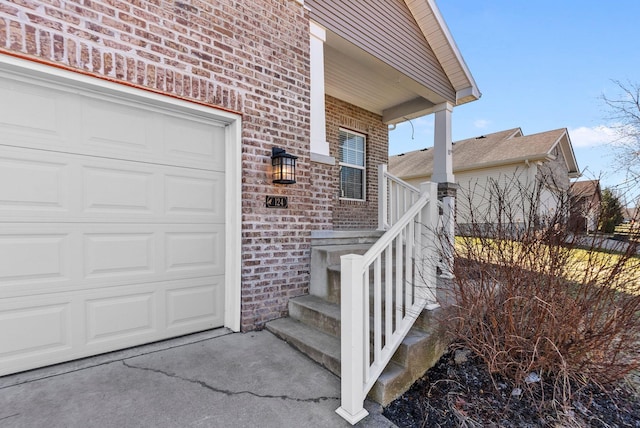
point(333, 284)
point(313, 326)
point(316, 312)
point(324, 256)
point(344, 237)
point(317, 345)
point(419, 350)
point(325, 316)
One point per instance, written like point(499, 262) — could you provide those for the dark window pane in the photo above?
point(351, 182)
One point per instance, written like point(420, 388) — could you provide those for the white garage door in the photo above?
point(111, 223)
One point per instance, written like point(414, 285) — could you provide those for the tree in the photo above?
point(624, 111)
point(610, 211)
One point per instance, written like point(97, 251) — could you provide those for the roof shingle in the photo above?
point(493, 149)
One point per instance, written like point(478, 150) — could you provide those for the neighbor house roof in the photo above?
point(630, 213)
point(585, 188)
point(500, 148)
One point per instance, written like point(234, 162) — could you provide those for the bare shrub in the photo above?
point(534, 300)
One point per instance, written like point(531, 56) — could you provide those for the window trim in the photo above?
point(349, 165)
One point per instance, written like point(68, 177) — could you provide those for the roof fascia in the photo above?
point(567, 152)
point(512, 161)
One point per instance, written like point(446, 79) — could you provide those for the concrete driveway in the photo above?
point(211, 379)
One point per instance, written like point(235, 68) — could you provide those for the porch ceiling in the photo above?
point(354, 76)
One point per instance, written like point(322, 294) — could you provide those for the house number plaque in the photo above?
point(277, 202)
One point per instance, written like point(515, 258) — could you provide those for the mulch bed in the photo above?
point(459, 392)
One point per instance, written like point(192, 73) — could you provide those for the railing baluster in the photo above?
point(367, 324)
point(388, 295)
point(377, 310)
point(408, 265)
point(398, 282)
point(400, 270)
point(383, 194)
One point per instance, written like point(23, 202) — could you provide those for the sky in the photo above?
point(541, 65)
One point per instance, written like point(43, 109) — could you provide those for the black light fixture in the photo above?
point(284, 166)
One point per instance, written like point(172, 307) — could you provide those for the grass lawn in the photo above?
point(602, 267)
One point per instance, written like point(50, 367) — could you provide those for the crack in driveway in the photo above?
point(226, 391)
point(10, 416)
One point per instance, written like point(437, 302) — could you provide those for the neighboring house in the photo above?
point(585, 200)
point(135, 150)
point(630, 215)
point(506, 160)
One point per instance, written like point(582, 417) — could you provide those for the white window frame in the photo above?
point(362, 167)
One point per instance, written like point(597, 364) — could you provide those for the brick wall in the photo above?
point(248, 56)
point(348, 214)
point(324, 180)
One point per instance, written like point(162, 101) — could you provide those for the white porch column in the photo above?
point(443, 175)
point(319, 144)
point(442, 147)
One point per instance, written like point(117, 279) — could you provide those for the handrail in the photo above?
point(409, 254)
point(395, 196)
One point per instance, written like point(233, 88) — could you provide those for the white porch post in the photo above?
point(443, 175)
point(382, 197)
point(319, 144)
point(442, 145)
point(428, 258)
point(352, 337)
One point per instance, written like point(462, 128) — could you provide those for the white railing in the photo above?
point(382, 293)
point(400, 196)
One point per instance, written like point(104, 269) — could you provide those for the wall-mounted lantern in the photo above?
point(284, 166)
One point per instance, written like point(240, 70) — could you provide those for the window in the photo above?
point(352, 176)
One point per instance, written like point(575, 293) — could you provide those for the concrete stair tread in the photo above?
point(319, 346)
point(343, 247)
point(337, 237)
point(316, 312)
point(325, 316)
point(318, 304)
point(392, 372)
point(325, 349)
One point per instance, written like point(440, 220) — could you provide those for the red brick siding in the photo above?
point(349, 214)
point(249, 56)
point(323, 194)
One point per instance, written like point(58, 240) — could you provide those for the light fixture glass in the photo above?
point(284, 166)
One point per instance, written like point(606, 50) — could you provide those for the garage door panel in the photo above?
point(46, 328)
point(32, 111)
point(36, 184)
point(47, 257)
point(34, 329)
point(195, 253)
point(195, 194)
point(194, 142)
point(110, 190)
point(116, 127)
point(34, 258)
point(194, 305)
point(109, 255)
point(58, 119)
point(33, 184)
point(120, 317)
